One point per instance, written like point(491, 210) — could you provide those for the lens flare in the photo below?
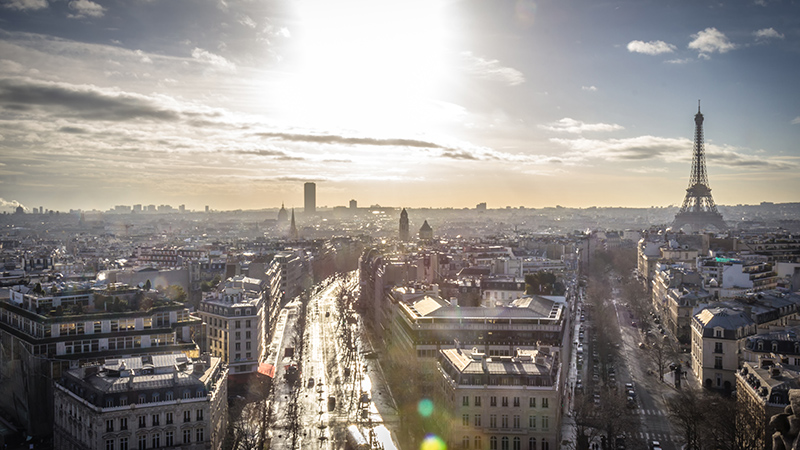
point(433, 442)
point(425, 407)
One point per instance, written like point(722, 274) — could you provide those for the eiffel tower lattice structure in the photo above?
point(698, 210)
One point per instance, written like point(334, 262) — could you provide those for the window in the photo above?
point(186, 394)
point(109, 444)
point(718, 347)
point(544, 403)
point(156, 440)
point(504, 421)
point(187, 416)
point(717, 333)
point(169, 438)
point(123, 401)
point(532, 422)
point(493, 443)
point(477, 420)
point(168, 418)
point(545, 444)
point(247, 323)
point(516, 401)
point(169, 396)
point(465, 420)
point(123, 443)
point(465, 401)
point(532, 443)
point(123, 423)
point(504, 443)
point(492, 421)
point(155, 396)
point(237, 347)
point(493, 401)
point(109, 402)
point(247, 333)
point(517, 444)
point(238, 335)
point(516, 422)
point(478, 443)
point(142, 442)
point(109, 425)
point(478, 399)
point(155, 419)
point(718, 362)
point(238, 324)
point(142, 398)
point(545, 423)
point(505, 401)
point(199, 435)
point(464, 443)
point(142, 421)
point(199, 415)
point(187, 436)
point(533, 402)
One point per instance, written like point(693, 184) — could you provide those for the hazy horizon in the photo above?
point(439, 103)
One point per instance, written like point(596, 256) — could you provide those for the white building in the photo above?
point(159, 401)
point(235, 316)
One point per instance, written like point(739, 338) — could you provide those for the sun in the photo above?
point(368, 64)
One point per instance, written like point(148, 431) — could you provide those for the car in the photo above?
point(655, 445)
point(628, 385)
point(633, 323)
point(641, 345)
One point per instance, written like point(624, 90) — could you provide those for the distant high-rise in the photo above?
point(404, 225)
point(353, 204)
point(698, 208)
point(310, 197)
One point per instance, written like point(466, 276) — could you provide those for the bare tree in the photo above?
point(661, 352)
point(686, 411)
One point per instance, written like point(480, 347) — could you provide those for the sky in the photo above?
point(419, 103)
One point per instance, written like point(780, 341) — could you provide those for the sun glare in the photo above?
point(368, 64)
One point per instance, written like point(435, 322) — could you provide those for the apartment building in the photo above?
point(143, 402)
point(501, 402)
point(235, 316)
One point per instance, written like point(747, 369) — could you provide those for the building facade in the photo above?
point(147, 402)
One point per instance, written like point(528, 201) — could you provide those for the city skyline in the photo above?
point(236, 104)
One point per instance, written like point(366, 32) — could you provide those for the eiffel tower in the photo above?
point(698, 210)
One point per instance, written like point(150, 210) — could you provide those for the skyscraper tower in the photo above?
point(404, 225)
point(698, 210)
point(310, 197)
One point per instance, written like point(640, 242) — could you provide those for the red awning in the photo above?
point(267, 369)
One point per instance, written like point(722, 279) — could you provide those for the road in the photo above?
point(650, 392)
point(332, 368)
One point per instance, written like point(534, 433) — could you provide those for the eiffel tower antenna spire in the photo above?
point(698, 210)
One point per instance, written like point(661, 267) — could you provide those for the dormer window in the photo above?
point(774, 346)
point(761, 346)
point(717, 332)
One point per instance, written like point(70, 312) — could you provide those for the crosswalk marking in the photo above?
point(650, 412)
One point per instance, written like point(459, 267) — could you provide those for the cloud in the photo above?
point(336, 139)
point(568, 125)
point(678, 61)
point(9, 205)
point(767, 33)
point(796, 121)
point(589, 88)
point(668, 150)
point(709, 41)
point(651, 47)
point(72, 130)
point(86, 102)
point(247, 21)
point(490, 69)
point(22, 5)
point(211, 59)
point(84, 8)
point(143, 57)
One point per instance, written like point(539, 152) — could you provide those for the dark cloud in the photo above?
point(334, 139)
point(71, 130)
point(460, 154)
point(84, 102)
